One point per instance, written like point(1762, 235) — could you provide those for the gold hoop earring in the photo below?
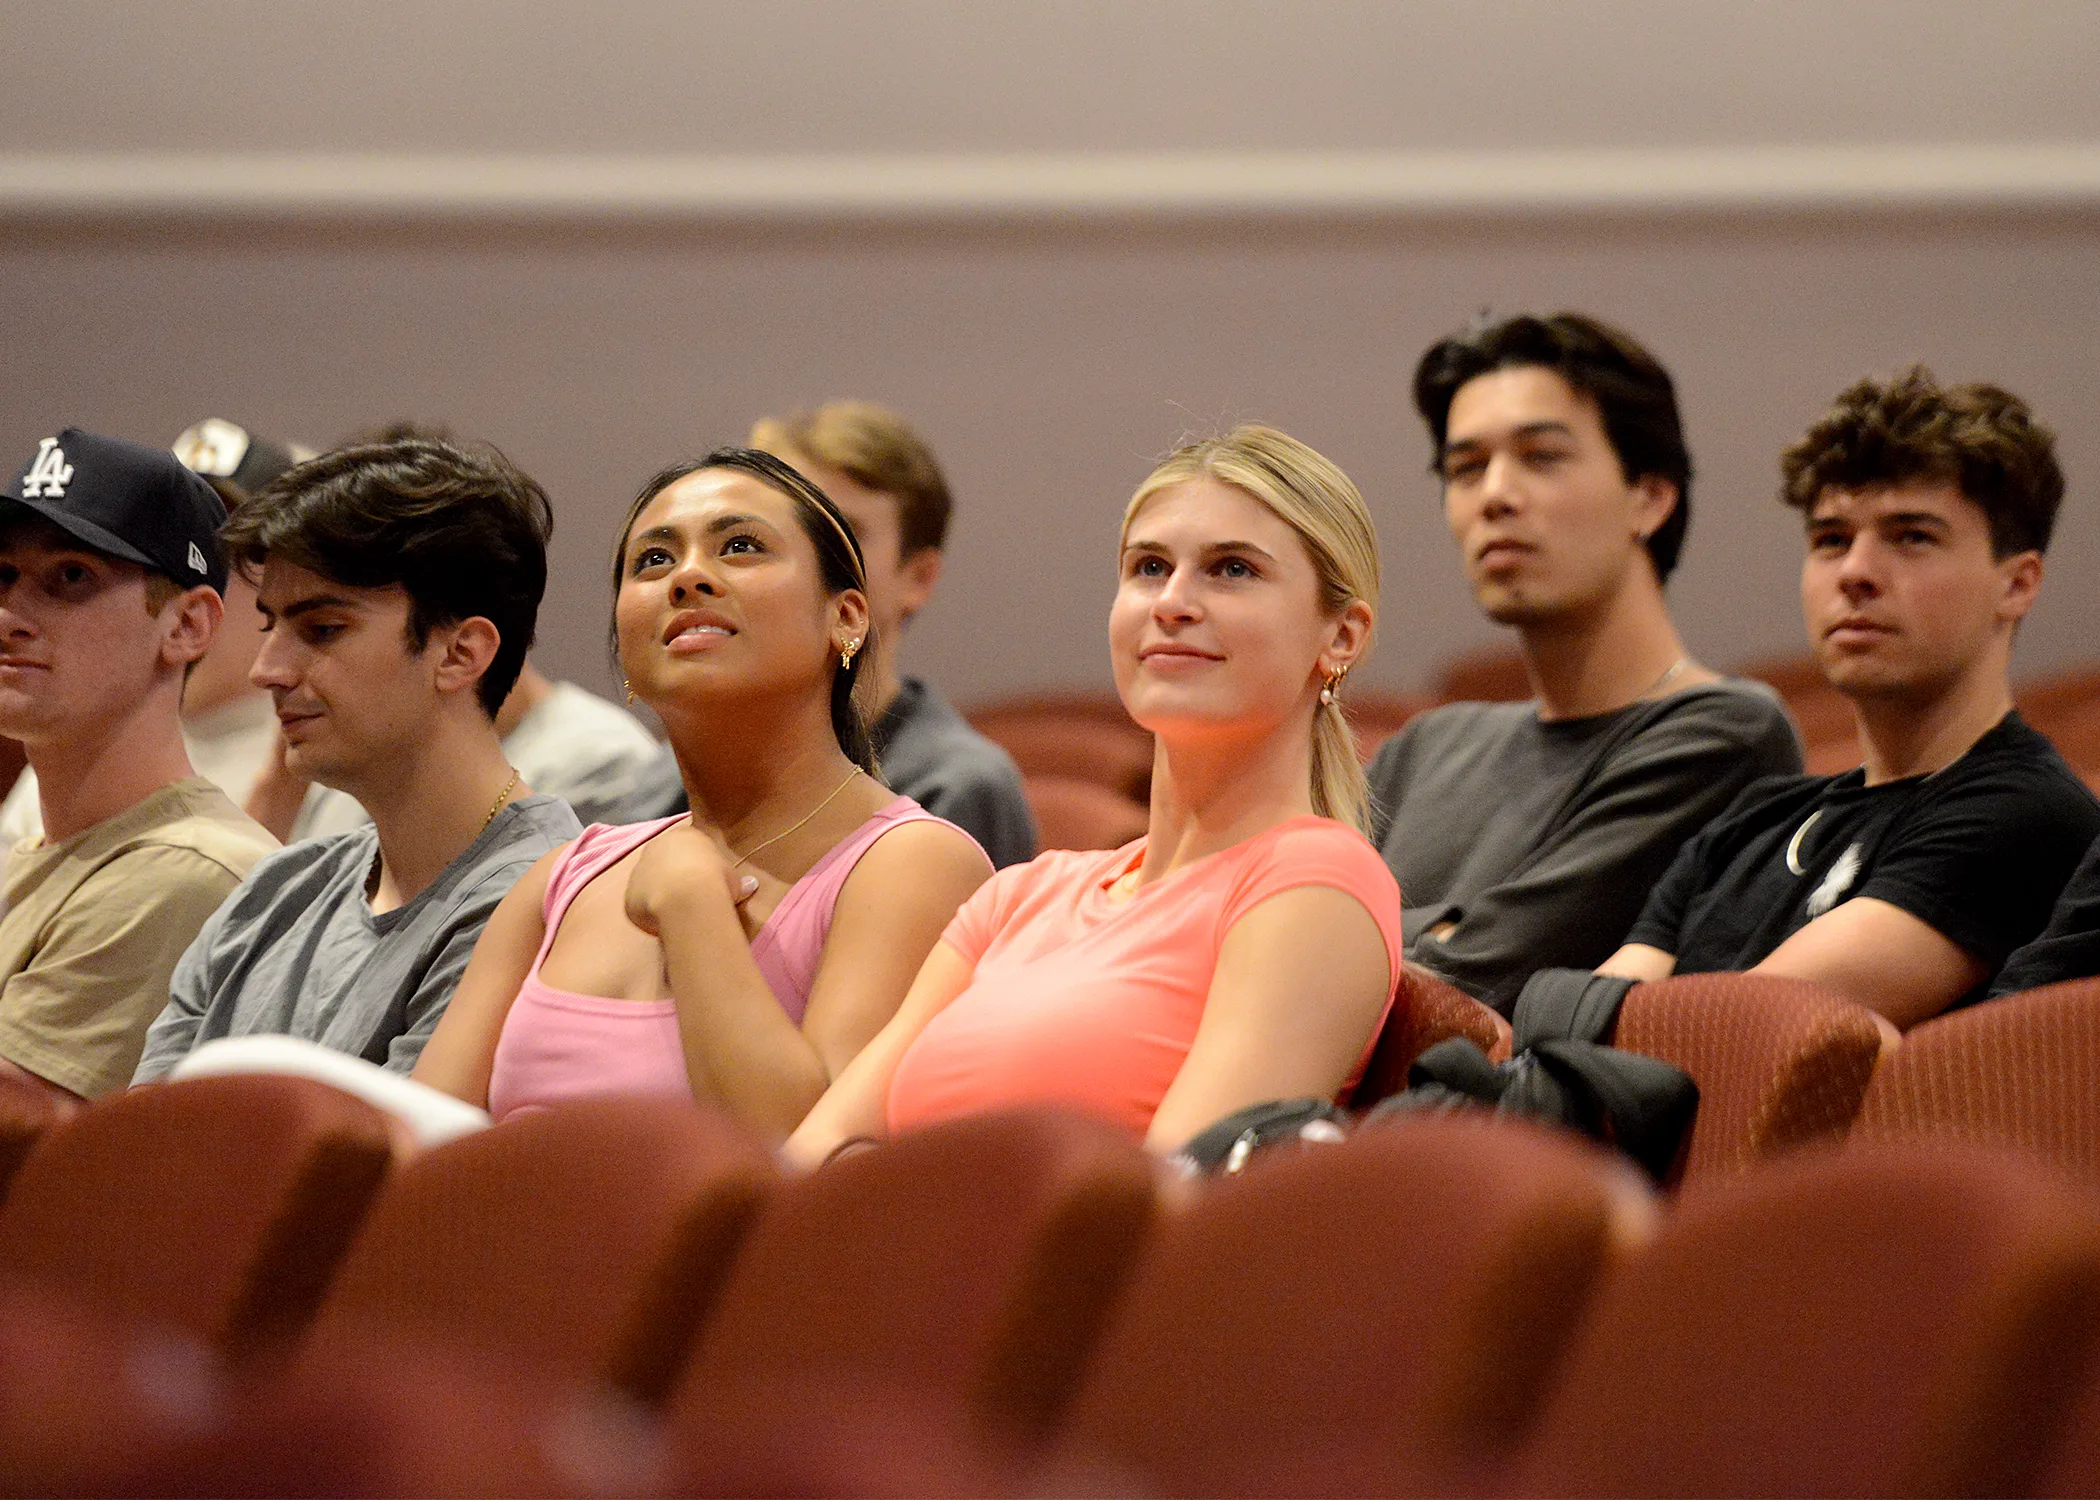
point(629, 688)
point(1331, 693)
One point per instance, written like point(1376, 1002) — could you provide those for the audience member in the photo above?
point(1527, 835)
point(883, 477)
point(1904, 884)
point(2069, 947)
point(1247, 947)
point(229, 728)
point(111, 583)
point(398, 583)
point(564, 740)
point(743, 953)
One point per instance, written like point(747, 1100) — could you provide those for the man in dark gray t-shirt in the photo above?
point(399, 583)
point(1526, 836)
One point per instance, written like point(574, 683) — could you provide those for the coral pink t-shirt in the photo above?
point(1081, 1000)
point(556, 1044)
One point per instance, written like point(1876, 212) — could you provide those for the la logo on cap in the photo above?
point(197, 559)
point(50, 474)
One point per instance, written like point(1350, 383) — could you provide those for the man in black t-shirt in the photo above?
point(1906, 883)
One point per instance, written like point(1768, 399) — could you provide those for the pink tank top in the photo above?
point(557, 1045)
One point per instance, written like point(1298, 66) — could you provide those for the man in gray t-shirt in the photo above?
point(399, 583)
point(298, 951)
point(1526, 836)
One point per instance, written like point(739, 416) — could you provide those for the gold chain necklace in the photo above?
point(776, 838)
point(501, 798)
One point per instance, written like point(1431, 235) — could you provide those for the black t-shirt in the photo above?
point(2069, 947)
point(1978, 851)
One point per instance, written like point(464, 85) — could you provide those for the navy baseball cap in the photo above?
point(126, 500)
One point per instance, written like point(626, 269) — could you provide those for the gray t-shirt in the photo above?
point(931, 755)
point(297, 951)
point(1540, 840)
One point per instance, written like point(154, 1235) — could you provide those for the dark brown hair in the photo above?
point(462, 531)
point(876, 449)
point(1636, 400)
point(1981, 439)
point(839, 564)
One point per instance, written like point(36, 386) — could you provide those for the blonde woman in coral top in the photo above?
point(1247, 948)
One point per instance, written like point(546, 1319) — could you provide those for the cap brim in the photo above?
point(85, 531)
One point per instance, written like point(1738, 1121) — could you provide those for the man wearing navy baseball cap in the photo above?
point(110, 589)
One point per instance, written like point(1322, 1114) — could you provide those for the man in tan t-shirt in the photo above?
point(111, 583)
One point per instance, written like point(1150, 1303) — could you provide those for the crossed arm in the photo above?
point(1871, 952)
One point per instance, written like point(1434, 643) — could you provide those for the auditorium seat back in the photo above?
point(971, 1261)
point(1427, 1010)
point(1780, 1063)
point(2022, 1071)
point(218, 1206)
point(1857, 1321)
point(1376, 1317)
point(587, 1240)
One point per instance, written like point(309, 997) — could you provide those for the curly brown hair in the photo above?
point(1979, 438)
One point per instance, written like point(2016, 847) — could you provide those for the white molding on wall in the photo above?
point(1043, 186)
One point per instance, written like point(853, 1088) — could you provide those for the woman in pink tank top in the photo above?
point(742, 954)
point(1248, 947)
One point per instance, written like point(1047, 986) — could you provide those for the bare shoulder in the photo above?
point(923, 847)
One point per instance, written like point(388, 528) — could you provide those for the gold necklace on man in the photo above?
point(501, 798)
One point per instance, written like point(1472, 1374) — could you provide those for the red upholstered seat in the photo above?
point(1071, 813)
point(26, 1112)
point(2023, 1072)
point(1780, 1063)
point(219, 1206)
point(586, 1240)
point(1858, 1321)
point(968, 1263)
point(1377, 1317)
point(1427, 1010)
point(1084, 736)
point(1490, 674)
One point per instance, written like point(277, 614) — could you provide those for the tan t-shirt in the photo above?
point(90, 929)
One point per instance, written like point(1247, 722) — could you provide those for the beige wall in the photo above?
point(1053, 351)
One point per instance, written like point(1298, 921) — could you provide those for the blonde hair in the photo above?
point(1319, 502)
point(875, 448)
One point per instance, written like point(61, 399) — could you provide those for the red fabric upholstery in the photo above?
point(1492, 674)
point(217, 1205)
point(2023, 1071)
point(587, 1240)
point(971, 1260)
point(1427, 1010)
point(1779, 1062)
point(1372, 1318)
point(1085, 736)
point(1863, 1321)
point(1375, 718)
point(1075, 814)
point(26, 1112)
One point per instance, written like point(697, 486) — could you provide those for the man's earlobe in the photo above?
point(194, 618)
point(2023, 583)
point(469, 650)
